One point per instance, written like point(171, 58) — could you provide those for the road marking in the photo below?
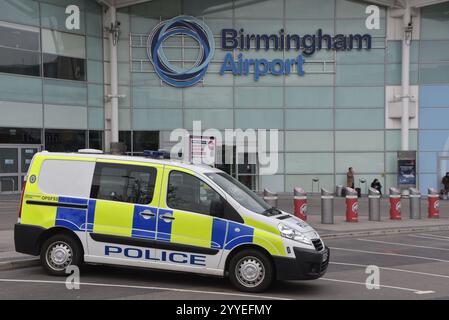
point(404, 244)
point(392, 269)
point(430, 238)
point(381, 285)
point(433, 235)
point(390, 254)
point(142, 287)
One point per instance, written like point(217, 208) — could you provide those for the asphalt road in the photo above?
point(412, 266)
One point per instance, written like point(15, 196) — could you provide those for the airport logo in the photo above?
point(170, 73)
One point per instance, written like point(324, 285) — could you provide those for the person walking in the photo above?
point(445, 182)
point(376, 185)
point(350, 178)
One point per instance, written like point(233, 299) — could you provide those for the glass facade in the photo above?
point(332, 118)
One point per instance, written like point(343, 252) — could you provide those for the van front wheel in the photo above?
point(60, 252)
point(250, 271)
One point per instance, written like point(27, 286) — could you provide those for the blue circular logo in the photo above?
point(181, 25)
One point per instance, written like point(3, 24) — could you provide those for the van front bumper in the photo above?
point(308, 264)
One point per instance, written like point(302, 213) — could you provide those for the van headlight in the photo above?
point(293, 234)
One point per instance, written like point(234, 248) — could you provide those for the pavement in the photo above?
point(411, 254)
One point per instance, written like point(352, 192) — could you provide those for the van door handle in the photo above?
point(167, 217)
point(147, 214)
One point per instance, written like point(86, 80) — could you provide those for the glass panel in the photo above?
point(9, 184)
point(309, 141)
point(19, 37)
point(124, 183)
point(65, 44)
point(357, 26)
point(96, 140)
point(306, 181)
point(150, 119)
point(434, 140)
point(59, 116)
point(20, 11)
point(95, 95)
point(427, 162)
point(434, 96)
point(309, 163)
point(434, 51)
point(363, 162)
point(394, 51)
point(145, 140)
point(199, 97)
point(273, 183)
point(263, 9)
point(94, 49)
point(94, 71)
point(435, 22)
point(394, 74)
point(12, 89)
point(211, 8)
point(158, 8)
point(210, 118)
point(321, 9)
point(360, 97)
point(54, 17)
point(259, 118)
point(9, 160)
point(353, 9)
point(393, 140)
point(430, 118)
point(125, 137)
point(27, 156)
point(434, 73)
point(359, 141)
point(157, 97)
point(61, 92)
point(65, 140)
point(95, 118)
point(357, 75)
point(260, 97)
point(309, 97)
point(59, 67)
point(20, 62)
point(362, 56)
point(359, 119)
point(20, 135)
point(309, 119)
point(94, 24)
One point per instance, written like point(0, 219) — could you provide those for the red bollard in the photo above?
point(395, 204)
point(300, 203)
point(433, 199)
point(352, 205)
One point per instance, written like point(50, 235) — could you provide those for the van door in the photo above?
point(123, 211)
point(187, 221)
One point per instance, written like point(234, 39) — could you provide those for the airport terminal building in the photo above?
point(327, 74)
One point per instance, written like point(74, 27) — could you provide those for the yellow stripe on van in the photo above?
point(192, 229)
point(113, 218)
point(261, 225)
point(271, 242)
point(42, 216)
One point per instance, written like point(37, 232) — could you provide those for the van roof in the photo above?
point(199, 168)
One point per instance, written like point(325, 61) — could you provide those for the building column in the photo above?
point(406, 42)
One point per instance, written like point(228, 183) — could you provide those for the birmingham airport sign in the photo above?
point(233, 40)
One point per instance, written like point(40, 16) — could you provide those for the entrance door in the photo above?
point(14, 163)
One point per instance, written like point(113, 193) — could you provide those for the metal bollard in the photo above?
point(300, 203)
point(327, 207)
point(374, 204)
point(271, 198)
point(352, 205)
point(415, 203)
point(433, 199)
point(395, 204)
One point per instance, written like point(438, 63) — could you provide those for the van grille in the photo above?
point(318, 244)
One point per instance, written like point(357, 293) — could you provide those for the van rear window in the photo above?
point(123, 183)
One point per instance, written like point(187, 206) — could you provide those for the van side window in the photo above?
point(123, 183)
point(187, 192)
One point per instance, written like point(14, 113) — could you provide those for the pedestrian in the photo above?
point(445, 182)
point(350, 178)
point(376, 185)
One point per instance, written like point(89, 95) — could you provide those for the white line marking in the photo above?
point(433, 235)
point(390, 254)
point(430, 238)
point(392, 269)
point(403, 244)
point(142, 287)
point(381, 285)
point(424, 292)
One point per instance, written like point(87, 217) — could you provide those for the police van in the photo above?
point(162, 214)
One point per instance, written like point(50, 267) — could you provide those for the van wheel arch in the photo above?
point(56, 231)
point(247, 247)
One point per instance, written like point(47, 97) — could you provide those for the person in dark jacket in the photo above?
point(445, 182)
point(376, 185)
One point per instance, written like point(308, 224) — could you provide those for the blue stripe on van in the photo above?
point(91, 215)
point(144, 228)
point(73, 219)
point(218, 233)
point(72, 200)
point(238, 234)
point(164, 228)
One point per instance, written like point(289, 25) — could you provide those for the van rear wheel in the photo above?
point(250, 271)
point(58, 253)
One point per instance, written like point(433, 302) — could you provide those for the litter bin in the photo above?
point(395, 204)
point(271, 198)
point(415, 203)
point(327, 207)
point(339, 191)
point(433, 200)
point(300, 203)
point(374, 204)
point(352, 205)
